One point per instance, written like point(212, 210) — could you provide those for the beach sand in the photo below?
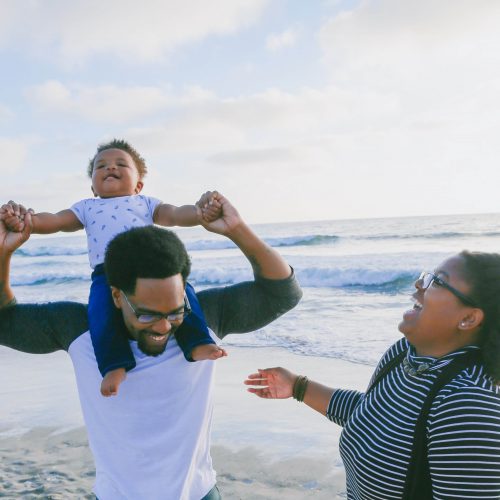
point(261, 449)
point(49, 465)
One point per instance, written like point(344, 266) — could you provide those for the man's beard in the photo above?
point(148, 347)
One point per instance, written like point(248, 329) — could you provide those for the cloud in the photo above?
point(420, 77)
point(13, 153)
point(104, 103)
point(127, 29)
point(419, 50)
point(252, 157)
point(337, 151)
point(34, 194)
point(114, 104)
point(9, 15)
point(279, 41)
point(404, 122)
point(272, 127)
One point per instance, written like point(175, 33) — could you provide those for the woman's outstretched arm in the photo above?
point(278, 383)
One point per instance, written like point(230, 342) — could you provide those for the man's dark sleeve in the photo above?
point(42, 328)
point(250, 305)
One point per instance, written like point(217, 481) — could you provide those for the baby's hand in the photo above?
point(213, 210)
point(12, 214)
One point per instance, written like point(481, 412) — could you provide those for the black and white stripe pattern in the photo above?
point(463, 431)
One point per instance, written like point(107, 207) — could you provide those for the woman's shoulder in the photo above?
point(472, 389)
point(389, 359)
point(395, 350)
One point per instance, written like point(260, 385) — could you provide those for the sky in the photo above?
point(294, 110)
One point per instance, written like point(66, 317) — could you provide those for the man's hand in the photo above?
point(266, 262)
point(10, 240)
point(12, 214)
point(228, 220)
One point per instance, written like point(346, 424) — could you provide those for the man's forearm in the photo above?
point(248, 306)
point(265, 261)
point(42, 328)
point(9, 242)
point(7, 297)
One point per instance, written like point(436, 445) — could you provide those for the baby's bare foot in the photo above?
point(207, 351)
point(111, 382)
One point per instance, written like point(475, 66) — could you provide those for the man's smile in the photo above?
point(158, 338)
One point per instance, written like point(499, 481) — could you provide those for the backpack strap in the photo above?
point(418, 484)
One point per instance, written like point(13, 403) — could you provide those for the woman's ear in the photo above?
point(471, 320)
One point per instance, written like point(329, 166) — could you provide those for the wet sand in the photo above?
point(45, 465)
point(262, 450)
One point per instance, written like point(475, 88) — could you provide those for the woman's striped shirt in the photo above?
point(463, 431)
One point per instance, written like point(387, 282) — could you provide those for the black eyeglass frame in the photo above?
point(146, 318)
point(436, 279)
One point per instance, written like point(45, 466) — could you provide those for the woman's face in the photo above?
point(438, 322)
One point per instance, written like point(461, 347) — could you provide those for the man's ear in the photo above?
point(117, 296)
point(138, 187)
point(471, 320)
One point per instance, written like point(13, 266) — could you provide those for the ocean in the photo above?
point(357, 277)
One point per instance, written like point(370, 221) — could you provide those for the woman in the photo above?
point(446, 370)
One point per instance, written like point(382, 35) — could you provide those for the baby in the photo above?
point(117, 172)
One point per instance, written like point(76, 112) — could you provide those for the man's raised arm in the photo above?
point(34, 328)
point(250, 305)
point(9, 243)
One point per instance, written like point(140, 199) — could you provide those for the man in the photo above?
point(152, 441)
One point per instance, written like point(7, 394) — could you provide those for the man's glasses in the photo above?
point(171, 317)
point(428, 279)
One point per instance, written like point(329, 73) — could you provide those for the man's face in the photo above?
point(152, 296)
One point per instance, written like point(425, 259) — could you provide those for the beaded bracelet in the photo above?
point(299, 388)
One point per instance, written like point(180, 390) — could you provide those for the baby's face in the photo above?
point(115, 174)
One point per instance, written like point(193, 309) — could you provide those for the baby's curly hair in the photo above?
point(139, 161)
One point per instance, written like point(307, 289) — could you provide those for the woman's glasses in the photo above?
point(428, 279)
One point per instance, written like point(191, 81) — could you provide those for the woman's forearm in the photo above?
point(318, 396)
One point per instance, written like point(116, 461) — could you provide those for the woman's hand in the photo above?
point(273, 383)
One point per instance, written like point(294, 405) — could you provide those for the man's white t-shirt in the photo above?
point(104, 218)
point(152, 441)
